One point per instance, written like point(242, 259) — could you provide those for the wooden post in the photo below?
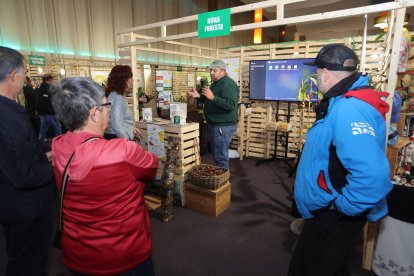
point(370, 235)
point(269, 118)
point(241, 129)
point(135, 99)
point(248, 131)
point(371, 229)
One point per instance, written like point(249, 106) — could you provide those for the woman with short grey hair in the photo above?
point(77, 97)
point(106, 225)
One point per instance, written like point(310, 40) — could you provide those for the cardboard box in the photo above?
point(210, 202)
point(178, 113)
point(147, 114)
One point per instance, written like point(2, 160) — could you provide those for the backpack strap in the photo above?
point(65, 179)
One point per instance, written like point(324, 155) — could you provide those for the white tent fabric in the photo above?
point(87, 27)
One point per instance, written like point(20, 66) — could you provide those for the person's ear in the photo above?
point(12, 75)
point(325, 74)
point(92, 115)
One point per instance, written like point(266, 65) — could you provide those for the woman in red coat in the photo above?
point(106, 225)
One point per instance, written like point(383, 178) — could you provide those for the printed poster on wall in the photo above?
point(190, 80)
point(163, 85)
point(163, 81)
point(233, 68)
point(156, 140)
point(100, 76)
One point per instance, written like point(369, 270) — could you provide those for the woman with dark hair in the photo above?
point(121, 118)
point(106, 225)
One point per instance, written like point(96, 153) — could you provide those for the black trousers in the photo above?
point(325, 245)
point(28, 245)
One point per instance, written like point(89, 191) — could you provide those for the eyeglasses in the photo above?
point(108, 105)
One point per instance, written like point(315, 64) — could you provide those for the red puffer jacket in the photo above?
point(106, 225)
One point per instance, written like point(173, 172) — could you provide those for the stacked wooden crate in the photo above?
point(258, 119)
point(262, 136)
point(189, 151)
point(210, 202)
point(241, 139)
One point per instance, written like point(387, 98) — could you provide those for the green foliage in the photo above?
point(180, 99)
point(376, 85)
point(140, 92)
point(308, 89)
point(380, 36)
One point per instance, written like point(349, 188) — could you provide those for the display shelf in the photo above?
point(409, 72)
point(189, 149)
point(402, 123)
point(402, 142)
point(392, 153)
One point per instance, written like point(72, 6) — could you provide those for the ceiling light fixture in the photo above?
point(257, 33)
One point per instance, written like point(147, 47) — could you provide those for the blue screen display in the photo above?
point(278, 80)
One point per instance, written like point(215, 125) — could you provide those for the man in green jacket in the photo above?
point(220, 109)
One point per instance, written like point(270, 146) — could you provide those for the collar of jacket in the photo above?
point(338, 89)
point(12, 103)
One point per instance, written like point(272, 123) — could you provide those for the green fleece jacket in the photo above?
point(222, 110)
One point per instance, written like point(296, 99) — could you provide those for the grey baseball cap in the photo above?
point(218, 64)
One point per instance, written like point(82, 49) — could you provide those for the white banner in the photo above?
point(156, 140)
point(233, 69)
point(100, 76)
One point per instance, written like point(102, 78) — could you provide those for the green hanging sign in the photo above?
point(215, 23)
point(37, 60)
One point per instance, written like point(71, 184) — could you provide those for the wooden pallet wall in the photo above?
point(301, 49)
point(74, 67)
point(262, 141)
point(258, 120)
point(301, 117)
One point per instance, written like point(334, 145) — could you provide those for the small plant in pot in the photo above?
point(307, 91)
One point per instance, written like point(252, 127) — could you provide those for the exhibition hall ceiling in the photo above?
point(336, 28)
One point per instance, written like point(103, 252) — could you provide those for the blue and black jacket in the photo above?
point(343, 163)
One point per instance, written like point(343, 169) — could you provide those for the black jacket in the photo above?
point(31, 99)
point(44, 99)
point(27, 184)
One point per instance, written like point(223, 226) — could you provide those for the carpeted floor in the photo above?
point(252, 237)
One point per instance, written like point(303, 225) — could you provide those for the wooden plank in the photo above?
point(153, 202)
point(371, 231)
point(210, 202)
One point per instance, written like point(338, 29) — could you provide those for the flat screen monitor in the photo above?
point(278, 79)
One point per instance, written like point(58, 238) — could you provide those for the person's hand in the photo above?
point(137, 134)
point(193, 93)
point(49, 155)
point(208, 93)
point(143, 99)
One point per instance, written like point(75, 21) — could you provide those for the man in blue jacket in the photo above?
point(27, 184)
point(343, 175)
